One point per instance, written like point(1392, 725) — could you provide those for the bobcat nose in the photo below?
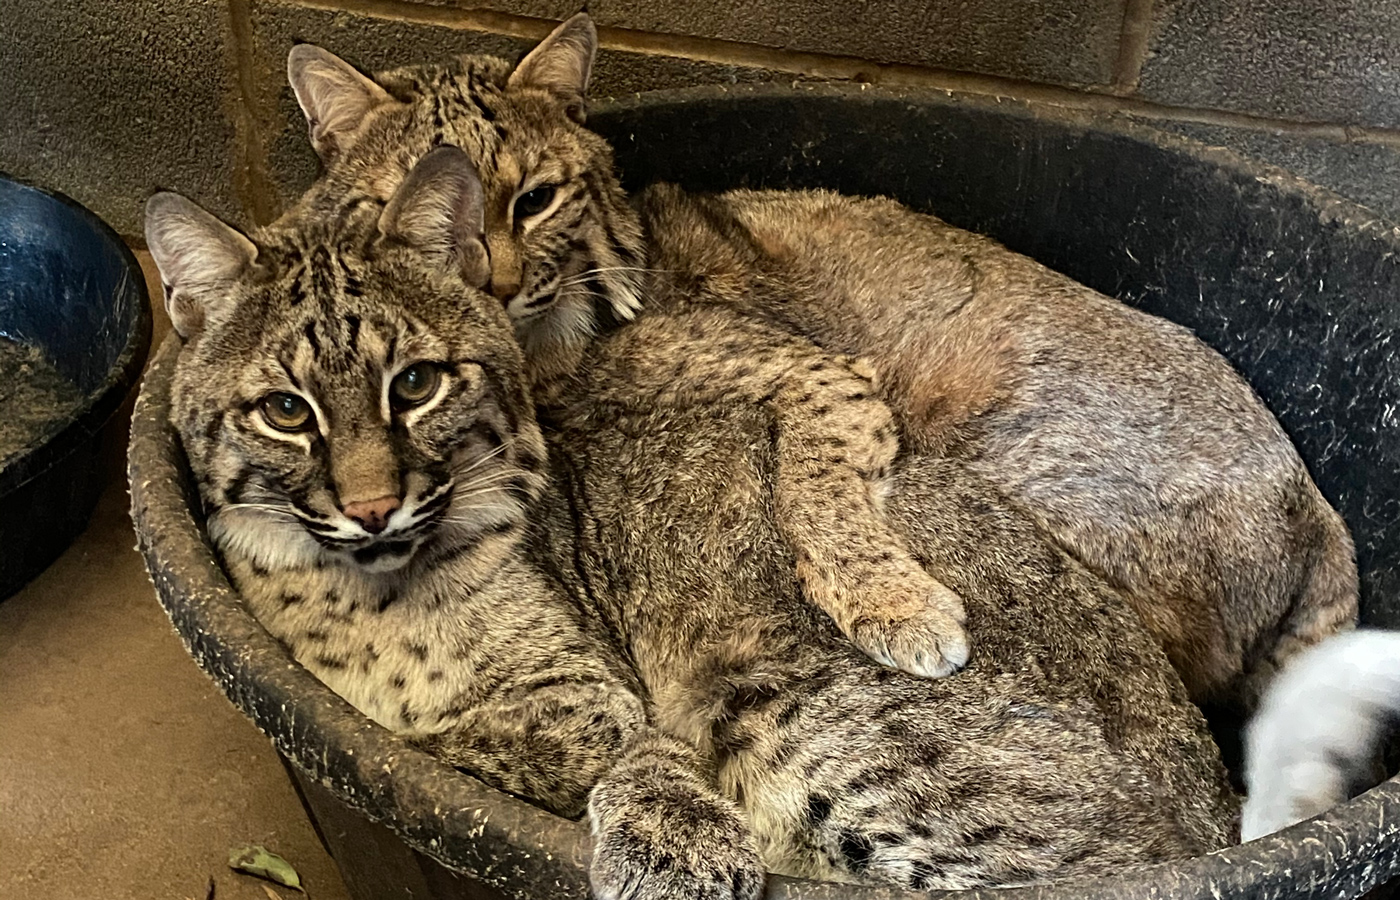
point(373, 515)
point(505, 286)
point(507, 268)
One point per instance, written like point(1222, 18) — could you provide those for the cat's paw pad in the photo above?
point(649, 849)
point(929, 640)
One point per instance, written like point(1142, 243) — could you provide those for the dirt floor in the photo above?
point(124, 773)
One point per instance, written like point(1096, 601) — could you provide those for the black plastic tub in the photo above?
point(71, 291)
point(1295, 286)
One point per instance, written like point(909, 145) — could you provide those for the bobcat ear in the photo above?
point(562, 63)
point(439, 211)
point(334, 96)
point(199, 257)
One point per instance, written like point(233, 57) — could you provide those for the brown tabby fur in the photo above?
point(839, 438)
point(1131, 442)
point(623, 607)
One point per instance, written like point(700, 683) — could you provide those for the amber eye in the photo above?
point(286, 412)
point(414, 385)
point(534, 202)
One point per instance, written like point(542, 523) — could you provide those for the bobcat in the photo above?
point(1133, 444)
point(597, 600)
point(837, 438)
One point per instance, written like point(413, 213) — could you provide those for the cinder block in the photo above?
point(374, 43)
point(108, 101)
point(1071, 42)
point(1296, 59)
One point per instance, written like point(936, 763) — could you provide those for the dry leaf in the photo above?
point(259, 861)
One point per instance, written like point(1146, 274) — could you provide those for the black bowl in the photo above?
point(70, 288)
point(1294, 285)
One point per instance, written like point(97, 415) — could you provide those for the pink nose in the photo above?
point(373, 515)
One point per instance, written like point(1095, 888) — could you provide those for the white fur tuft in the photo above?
point(1318, 721)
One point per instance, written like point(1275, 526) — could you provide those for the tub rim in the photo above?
point(101, 403)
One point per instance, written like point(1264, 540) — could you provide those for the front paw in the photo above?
point(922, 635)
point(660, 839)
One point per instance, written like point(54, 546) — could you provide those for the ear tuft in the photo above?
point(562, 63)
point(334, 96)
point(439, 210)
point(199, 257)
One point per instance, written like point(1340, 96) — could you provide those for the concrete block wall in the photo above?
point(107, 100)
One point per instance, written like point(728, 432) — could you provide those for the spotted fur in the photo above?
point(576, 266)
point(639, 575)
point(441, 624)
point(1145, 455)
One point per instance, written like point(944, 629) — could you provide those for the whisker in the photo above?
point(488, 479)
point(481, 493)
point(461, 516)
point(278, 509)
point(486, 457)
point(591, 273)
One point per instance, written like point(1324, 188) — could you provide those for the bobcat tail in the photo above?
point(1317, 726)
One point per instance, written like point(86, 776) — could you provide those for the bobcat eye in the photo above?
point(414, 385)
point(534, 202)
point(286, 412)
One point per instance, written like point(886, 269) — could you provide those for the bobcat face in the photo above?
point(340, 402)
point(564, 248)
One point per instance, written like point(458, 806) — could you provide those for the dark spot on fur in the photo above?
point(748, 697)
point(788, 714)
point(398, 681)
point(310, 332)
point(1077, 856)
point(879, 776)
point(856, 849)
point(924, 875)
point(366, 555)
point(420, 651)
point(291, 600)
point(435, 675)
point(330, 662)
point(818, 810)
point(984, 834)
point(317, 635)
point(407, 714)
